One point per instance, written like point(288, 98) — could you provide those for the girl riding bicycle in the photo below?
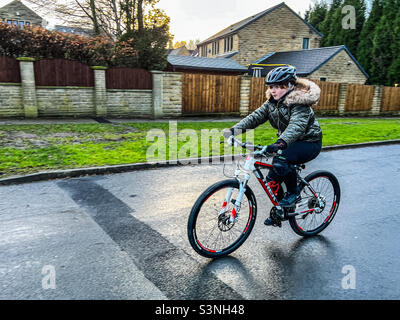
point(289, 110)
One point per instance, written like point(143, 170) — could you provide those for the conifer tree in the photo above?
point(330, 23)
point(382, 44)
point(348, 36)
point(364, 49)
point(316, 15)
point(394, 69)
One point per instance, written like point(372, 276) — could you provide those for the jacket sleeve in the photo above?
point(298, 123)
point(253, 120)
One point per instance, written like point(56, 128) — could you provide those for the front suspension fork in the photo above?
point(236, 203)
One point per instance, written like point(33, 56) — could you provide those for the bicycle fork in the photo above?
point(236, 202)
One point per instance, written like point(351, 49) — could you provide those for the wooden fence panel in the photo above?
point(257, 93)
point(205, 93)
point(359, 97)
point(390, 99)
point(329, 100)
point(129, 78)
point(61, 72)
point(9, 70)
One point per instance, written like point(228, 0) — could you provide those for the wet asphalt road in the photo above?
point(123, 236)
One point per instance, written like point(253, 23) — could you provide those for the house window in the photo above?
point(228, 44)
point(306, 43)
point(322, 79)
point(21, 24)
point(215, 48)
point(204, 51)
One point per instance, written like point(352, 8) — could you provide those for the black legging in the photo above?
point(297, 153)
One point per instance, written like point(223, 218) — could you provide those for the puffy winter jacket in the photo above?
point(292, 115)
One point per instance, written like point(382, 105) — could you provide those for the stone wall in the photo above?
point(172, 94)
point(65, 102)
point(163, 101)
point(11, 104)
point(279, 30)
point(341, 68)
point(31, 101)
point(129, 103)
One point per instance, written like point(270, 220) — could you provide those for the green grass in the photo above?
point(32, 148)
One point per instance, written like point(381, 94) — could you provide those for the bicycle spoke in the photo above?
point(215, 230)
point(323, 189)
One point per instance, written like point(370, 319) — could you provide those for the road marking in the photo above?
point(173, 271)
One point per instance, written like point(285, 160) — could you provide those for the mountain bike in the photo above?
point(224, 215)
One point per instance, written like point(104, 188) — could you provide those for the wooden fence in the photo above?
point(329, 100)
point(9, 70)
point(329, 95)
point(61, 72)
point(359, 98)
point(257, 93)
point(390, 99)
point(129, 78)
point(205, 93)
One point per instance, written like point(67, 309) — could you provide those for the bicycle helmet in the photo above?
point(281, 75)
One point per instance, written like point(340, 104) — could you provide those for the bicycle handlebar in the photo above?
point(262, 150)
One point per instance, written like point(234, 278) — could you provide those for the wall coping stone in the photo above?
point(99, 68)
point(26, 59)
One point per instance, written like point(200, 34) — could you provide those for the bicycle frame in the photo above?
point(254, 166)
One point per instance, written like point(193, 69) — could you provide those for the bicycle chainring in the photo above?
point(275, 217)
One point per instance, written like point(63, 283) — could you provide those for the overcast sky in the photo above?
point(194, 19)
point(200, 19)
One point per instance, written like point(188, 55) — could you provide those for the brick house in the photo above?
point(276, 29)
point(332, 64)
point(19, 14)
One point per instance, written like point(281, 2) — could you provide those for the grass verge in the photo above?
point(32, 148)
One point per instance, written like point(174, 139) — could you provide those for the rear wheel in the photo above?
point(215, 227)
point(318, 204)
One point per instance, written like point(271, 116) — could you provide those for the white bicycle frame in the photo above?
point(250, 167)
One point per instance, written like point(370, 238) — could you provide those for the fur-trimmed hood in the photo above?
point(305, 92)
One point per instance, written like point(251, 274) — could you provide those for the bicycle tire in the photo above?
point(330, 184)
point(204, 204)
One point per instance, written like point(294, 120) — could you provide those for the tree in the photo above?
point(394, 69)
point(383, 49)
point(135, 23)
point(317, 14)
point(150, 41)
point(364, 49)
point(330, 23)
point(346, 34)
point(179, 44)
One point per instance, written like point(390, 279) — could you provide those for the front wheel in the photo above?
point(318, 205)
point(218, 225)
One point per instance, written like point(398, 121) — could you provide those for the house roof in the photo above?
point(179, 50)
point(11, 3)
point(234, 28)
point(211, 64)
point(305, 61)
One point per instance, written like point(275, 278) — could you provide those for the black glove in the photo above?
point(278, 145)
